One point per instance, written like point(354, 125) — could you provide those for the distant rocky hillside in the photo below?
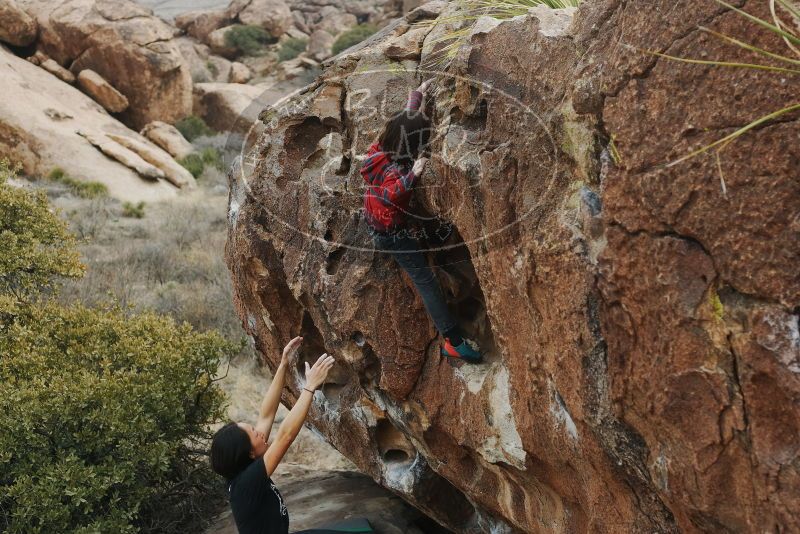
point(99, 71)
point(640, 320)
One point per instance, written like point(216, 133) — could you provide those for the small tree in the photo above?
point(104, 415)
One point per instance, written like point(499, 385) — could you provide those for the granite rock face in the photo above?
point(126, 45)
point(59, 126)
point(640, 322)
point(16, 27)
point(101, 91)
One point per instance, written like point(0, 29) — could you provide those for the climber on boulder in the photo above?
point(242, 454)
point(392, 167)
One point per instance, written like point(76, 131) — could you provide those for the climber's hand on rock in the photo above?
point(316, 375)
point(290, 350)
point(425, 85)
point(419, 166)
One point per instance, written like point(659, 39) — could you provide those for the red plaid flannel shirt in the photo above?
point(388, 191)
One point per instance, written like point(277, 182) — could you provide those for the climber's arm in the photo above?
point(417, 97)
point(394, 189)
point(414, 101)
point(291, 426)
point(269, 406)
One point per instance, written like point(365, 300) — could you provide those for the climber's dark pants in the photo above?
point(408, 254)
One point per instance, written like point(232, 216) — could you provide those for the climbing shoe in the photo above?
point(464, 352)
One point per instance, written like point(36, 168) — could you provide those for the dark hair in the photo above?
point(405, 136)
point(230, 451)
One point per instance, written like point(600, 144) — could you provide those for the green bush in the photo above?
point(103, 414)
point(99, 412)
point(212, 158)
point(291, 48)
point(248, 40)
point(194, 164)
point(192, 127)
point(78, 187)
point(135, 211)
point(212, 68)
point(35, 243)
point(57, 174)
point(353, 36)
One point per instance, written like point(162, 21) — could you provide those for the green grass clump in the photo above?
point(192, 127)
point(211, 157)
point(291, 48)
point(248, 40)
point(134, 211)
point(353, 36)
point(194, 164)
point(212, 68)
point(80, 188)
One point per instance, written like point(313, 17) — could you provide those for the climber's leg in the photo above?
point(406, 251)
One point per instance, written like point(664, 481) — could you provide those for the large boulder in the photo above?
point(204, 65)
point(126, 45)
point(272, 15)
point(115, 150)
point(199, 24)
point(17, 28)
point(57, 70)
point(169, 138)
point(240, 73)
point(334, 21)
point(377, 12)
point(230, 107)
point(639, 321)
point(44, 133)
point(218, 42)
point(103, 92)
point(171, 170)
point(320, 43)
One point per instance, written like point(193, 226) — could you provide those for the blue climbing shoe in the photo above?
point(463, 352)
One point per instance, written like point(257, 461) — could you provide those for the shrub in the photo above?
point(212, 68)
point(80, 188)
point(88, 220)
point(99, 416)
point(291, 48)
point(192, 127)
point(212, 158)
point(135, 211)
point(57, 174)
point(35, 242)
point(102, 413)
point(248, 40)
point(353, 36)
point(194, 164)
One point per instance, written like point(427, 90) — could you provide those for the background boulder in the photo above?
point(126, 45)
point(44, 133)
point(17, 28)
point(101, 91)
point(272, 15)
